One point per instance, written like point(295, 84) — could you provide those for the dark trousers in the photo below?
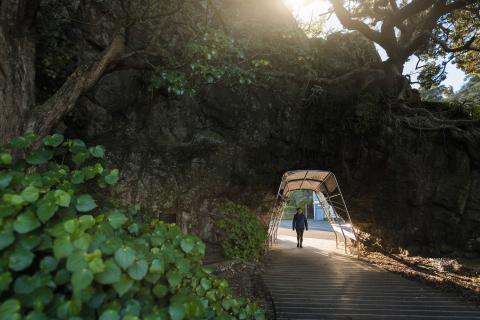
point(299, 235)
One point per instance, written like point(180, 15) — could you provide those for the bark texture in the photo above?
point(17, 65)
point(18, 110)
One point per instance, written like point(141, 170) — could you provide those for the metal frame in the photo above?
point(282, 198)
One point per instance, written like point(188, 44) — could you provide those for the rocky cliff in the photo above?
point(181, 157)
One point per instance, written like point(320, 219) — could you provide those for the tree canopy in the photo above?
point(433, 30)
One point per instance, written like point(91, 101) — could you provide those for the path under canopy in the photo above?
point(320, 282)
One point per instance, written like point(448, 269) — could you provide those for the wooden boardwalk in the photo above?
point(311, 283)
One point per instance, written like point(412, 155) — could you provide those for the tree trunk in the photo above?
point(394, 81)
point(18, 112)
point(17, 65)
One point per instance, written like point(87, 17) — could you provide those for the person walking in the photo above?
point(299, 223)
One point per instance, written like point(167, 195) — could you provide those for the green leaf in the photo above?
point(138, 270)
point(24, 285)
point(26, 222)
point(62, 247)
point(5, 158)
point(62, 277)
point(80, 157)
point(76, 261)
point(187, 245)
point(176, 311)
point(54, 140)
point(9, 310)
point(159, 290)
point(123, 285)
point(19, 143)
point(20, 259)
point(5, 179)
point(29, 241)
point(134, 228)
point(6, 238)
point(116, 219)
point(62, 198)
point(82, 242)
point(5, 280)
point(86, 221)
point(48, 264)
point(157, 266)
point(227, 304)
point(81, 279)
point(110, 275)
point(46, 210)
point(98, 168)
point(112, 177)
point(97, 151)
point(35, 315)
point(174, 278)
point(33, 179)
point(78, 177)
point(78, 146)
point(125, 256)
point(13, 199)
point(110, 315)
point(70, 226)
point(85, 203)
point(96, 265)
point(39, 156)
point(6, 210)
point(30, 194)
point(205, 283)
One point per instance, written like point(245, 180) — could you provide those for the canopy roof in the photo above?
point(315, 180)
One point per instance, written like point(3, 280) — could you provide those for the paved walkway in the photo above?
point(319, 282)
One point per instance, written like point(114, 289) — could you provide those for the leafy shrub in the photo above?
point(465, 109)
point(243, 234)
point(63, 256)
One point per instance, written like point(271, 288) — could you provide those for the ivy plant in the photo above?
point(63, 255)
point(243, 234)
point(213, 57)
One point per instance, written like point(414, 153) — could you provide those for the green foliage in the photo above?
point(64, 256)
point(243, 234)
point(300, 198)
point(212, 58)
point(436, 93)
point(465, 109)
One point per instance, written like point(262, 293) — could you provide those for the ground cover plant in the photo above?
point(65, 255)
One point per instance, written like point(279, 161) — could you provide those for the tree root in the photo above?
point(442, 123)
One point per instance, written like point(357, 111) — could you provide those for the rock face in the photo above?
point(181, 158)
point(410, 188)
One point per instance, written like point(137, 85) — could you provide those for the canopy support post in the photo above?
point(357, 240)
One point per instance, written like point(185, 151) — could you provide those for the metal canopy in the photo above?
point(315, 180)
point(325, 185)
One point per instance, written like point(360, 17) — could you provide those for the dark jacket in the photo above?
point(299, 222)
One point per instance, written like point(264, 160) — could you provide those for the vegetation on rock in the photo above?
point(64, 255)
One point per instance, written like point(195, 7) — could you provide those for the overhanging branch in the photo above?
point(44, 117)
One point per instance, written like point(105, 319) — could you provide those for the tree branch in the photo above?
point(348, 22)
point(466, 47)
point(44, 117)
